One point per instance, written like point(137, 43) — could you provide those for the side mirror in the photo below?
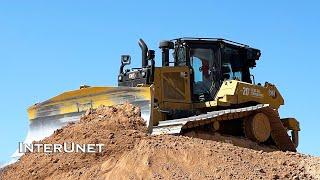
point(125, 59)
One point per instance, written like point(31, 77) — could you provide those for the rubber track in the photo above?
point(278, 131)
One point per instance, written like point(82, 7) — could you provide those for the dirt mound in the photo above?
point(237, 141)
point(130, 153)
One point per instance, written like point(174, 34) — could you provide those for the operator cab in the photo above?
point(210, 60)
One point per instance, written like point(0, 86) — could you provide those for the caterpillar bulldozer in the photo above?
point(203, 84)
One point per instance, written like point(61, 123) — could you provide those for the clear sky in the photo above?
point(50, 47)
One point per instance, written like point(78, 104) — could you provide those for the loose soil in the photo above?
point(130, 153)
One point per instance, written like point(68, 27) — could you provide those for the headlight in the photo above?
point(120, 78)
point(143, 74)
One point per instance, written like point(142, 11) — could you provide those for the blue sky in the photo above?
point(50, 47)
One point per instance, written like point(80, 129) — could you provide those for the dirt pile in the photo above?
point(129, 153)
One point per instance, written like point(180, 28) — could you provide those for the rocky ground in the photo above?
point(130, 153)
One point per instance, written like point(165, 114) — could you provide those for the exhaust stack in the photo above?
point(144, 50)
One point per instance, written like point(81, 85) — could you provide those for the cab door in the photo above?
point(205, 62)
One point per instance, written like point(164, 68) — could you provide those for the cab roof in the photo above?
point(210, 40)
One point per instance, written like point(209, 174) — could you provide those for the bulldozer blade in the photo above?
point(50, 115)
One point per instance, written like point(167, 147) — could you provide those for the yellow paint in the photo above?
point(82, 99)
point(232, 92)
point(237, 92)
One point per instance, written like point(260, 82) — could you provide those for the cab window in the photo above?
point(200, 59)
point(233, 66)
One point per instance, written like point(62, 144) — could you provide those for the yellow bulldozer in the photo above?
point(203, 84)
